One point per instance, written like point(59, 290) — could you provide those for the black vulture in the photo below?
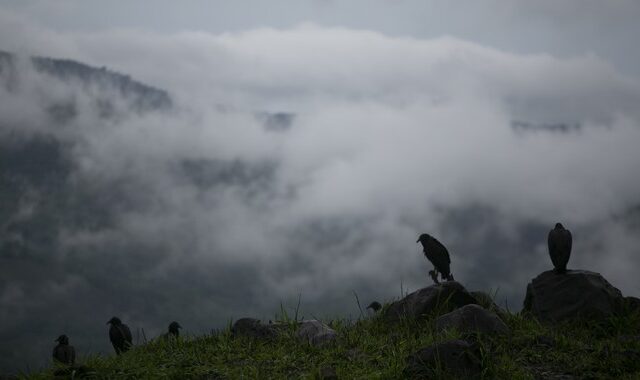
point(174, 331)
point(560, 241)
point(438, 255)
point(174, 328)
point(63, 352)
point(120, 335)
point(375, 306)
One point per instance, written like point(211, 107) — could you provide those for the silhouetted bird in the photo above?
point(63, 352)
point(375, 306)
point(560, 241)
point(174, 331)
point(438, 255)
point(174, 328)
point(120, 335)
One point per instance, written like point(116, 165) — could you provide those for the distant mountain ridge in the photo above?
point(143, 97)
point(526, 126)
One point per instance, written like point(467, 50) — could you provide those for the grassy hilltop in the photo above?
point(371, 348)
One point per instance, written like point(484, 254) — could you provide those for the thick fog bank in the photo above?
point(296, 162)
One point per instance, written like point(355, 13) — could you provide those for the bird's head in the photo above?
point(375, 306)
point(423, 238)
point(62, 339)
point(114, 321)
point(174, 326)
point(559, 226)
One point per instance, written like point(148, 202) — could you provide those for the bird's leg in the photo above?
point(434, 276)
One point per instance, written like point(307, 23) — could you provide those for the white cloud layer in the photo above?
point(392, 137)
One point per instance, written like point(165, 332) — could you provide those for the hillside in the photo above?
point(139, 97)
point(374, 348)
point(114, 201)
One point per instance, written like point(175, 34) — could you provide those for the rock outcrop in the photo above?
point(311, 331)
point(253, 328)
point(315, 332)
point(485, 300)
point(553, 297)
point(472, 319)
point(436, 299)
point(456, 357)
point(632, 304)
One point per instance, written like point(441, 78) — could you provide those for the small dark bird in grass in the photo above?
point(439, 257)
point(174, 331)
point(560, 241)
point(174, 328)
point(63, 352)
point(120, 335)
point(375, 306)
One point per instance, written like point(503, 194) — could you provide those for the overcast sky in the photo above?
point(402, 122)
point(561, 27)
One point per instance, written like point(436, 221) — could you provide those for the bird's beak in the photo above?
point(418, 241)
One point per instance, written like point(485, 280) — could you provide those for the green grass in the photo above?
point(372, 349)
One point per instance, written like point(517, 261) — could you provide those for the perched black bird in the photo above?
point(438, 255)
point(63, 352)
point(120, 335)
point(174, 328)
point(174, 331)
point(375, 306)
point(560, 241)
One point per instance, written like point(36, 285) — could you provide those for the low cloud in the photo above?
point(200, 213)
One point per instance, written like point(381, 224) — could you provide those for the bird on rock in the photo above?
point(120, 335)
point(63, 352)
point(438, 256)
point(559, 242)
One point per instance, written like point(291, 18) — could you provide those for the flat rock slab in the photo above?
point(472, 319)
point(253, 328)
point(438, 299)
point(553, 297)
point(315, 332)
point(456, 357)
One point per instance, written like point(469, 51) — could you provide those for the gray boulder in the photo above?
point(253, 328)
point(436, 299)
point(315, 332)
point(632, 304)
point(485, 300)
point(472, 319)
point(553, 297)
point(456, 357)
